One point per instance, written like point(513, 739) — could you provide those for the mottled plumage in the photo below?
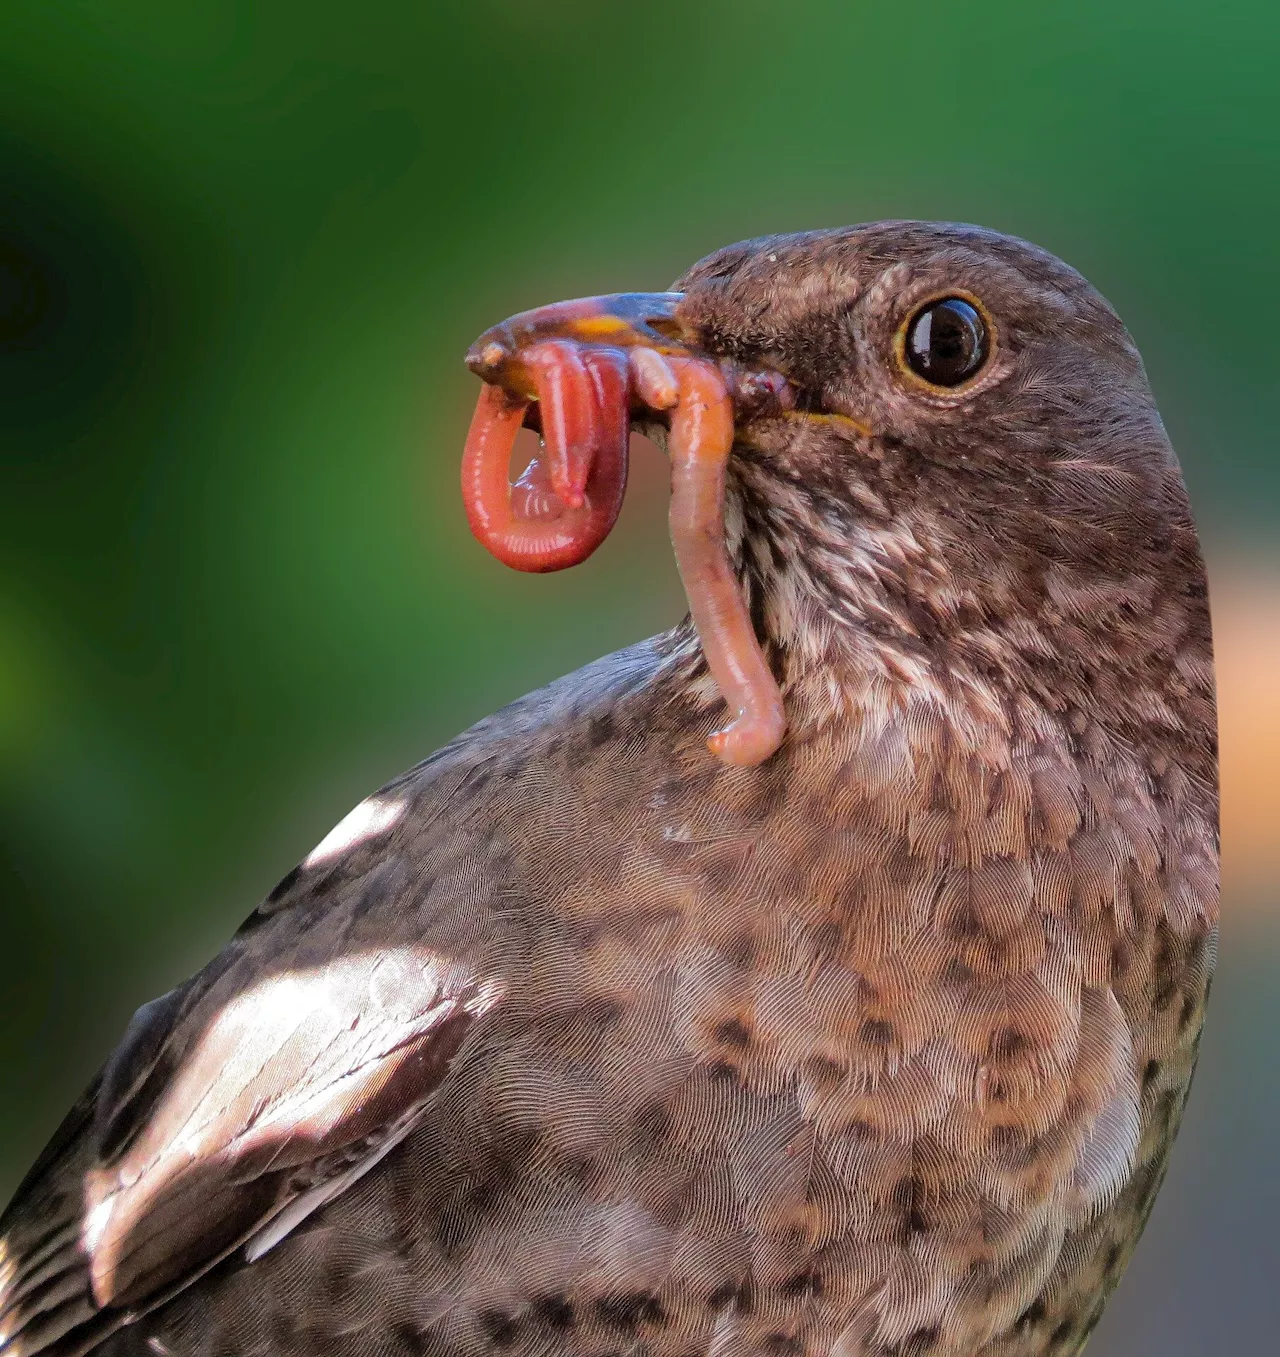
point(575, 1040)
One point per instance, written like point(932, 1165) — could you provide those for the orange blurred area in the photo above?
point(1246, 624)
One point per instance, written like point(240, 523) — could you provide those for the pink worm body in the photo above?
point(568, 500)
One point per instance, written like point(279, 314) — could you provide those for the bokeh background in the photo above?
point(242, 249)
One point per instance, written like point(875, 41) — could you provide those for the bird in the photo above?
point(578, 1039)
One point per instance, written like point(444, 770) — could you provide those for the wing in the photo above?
point(218, 1118)
point(271, 1081)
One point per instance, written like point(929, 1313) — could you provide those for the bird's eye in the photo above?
point(946, 342)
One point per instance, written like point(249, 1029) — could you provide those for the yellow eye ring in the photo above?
point(945, 342)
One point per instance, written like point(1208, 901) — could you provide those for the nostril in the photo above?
point(669, 327)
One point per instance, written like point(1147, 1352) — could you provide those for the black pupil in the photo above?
point(947, 342)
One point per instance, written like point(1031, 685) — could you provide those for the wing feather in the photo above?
point(270, 1082)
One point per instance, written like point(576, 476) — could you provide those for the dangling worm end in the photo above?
point(751, 738)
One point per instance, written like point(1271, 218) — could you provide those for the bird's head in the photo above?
point(974, 437)
point(965, 470)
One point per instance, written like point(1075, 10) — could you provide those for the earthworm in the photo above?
point(534, 529)
point(567, 500)
point(699, 444)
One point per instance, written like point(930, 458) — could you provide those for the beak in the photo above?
point(624, 320)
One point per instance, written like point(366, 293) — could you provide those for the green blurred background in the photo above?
point(242, 250)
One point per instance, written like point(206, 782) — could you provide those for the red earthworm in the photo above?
point(699, 444)
point(567, 500)
point(534, 529)
point(567, 402)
